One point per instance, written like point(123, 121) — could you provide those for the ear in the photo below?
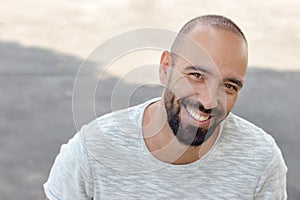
point(165, 63)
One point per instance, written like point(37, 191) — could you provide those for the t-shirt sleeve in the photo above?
point(70, 176)
point(272, 184)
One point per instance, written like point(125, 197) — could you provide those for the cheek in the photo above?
point(182, 88)
point(230, 101)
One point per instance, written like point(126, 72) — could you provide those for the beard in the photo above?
point(186, 133)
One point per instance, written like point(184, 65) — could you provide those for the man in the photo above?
point(185, 145)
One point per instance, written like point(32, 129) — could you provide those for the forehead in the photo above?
point(220, 51)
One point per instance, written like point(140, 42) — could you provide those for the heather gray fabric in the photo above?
point(107, 159)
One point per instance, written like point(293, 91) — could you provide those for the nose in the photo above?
point(209, 94)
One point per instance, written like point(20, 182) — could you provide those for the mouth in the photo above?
point(197, 115)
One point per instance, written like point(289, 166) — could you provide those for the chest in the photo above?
point(170, 184)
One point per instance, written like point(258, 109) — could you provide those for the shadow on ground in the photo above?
point(36, 113)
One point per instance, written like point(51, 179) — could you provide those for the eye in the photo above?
point(231, 88)
point(196, 76)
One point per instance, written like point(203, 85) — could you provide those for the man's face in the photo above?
point(201, 90)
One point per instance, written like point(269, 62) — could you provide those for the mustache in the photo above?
point(197, 105)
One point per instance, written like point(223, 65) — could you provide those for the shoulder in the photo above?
point(245, 131)
point(114, 134)
point(251, 152)
point(249, 143)
point(120, 121)
point(70, 175)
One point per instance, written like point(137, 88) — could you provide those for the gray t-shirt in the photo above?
point(108, 159)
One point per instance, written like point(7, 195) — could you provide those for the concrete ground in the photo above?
point(36, 113)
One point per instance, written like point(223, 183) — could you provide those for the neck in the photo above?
point(162, 143)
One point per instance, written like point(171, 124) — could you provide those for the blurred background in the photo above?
point(44, 43)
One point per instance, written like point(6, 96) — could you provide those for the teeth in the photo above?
point(196, 116)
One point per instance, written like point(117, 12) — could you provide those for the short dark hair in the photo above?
point(215, 21)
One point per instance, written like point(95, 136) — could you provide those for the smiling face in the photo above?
point(202, 89)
